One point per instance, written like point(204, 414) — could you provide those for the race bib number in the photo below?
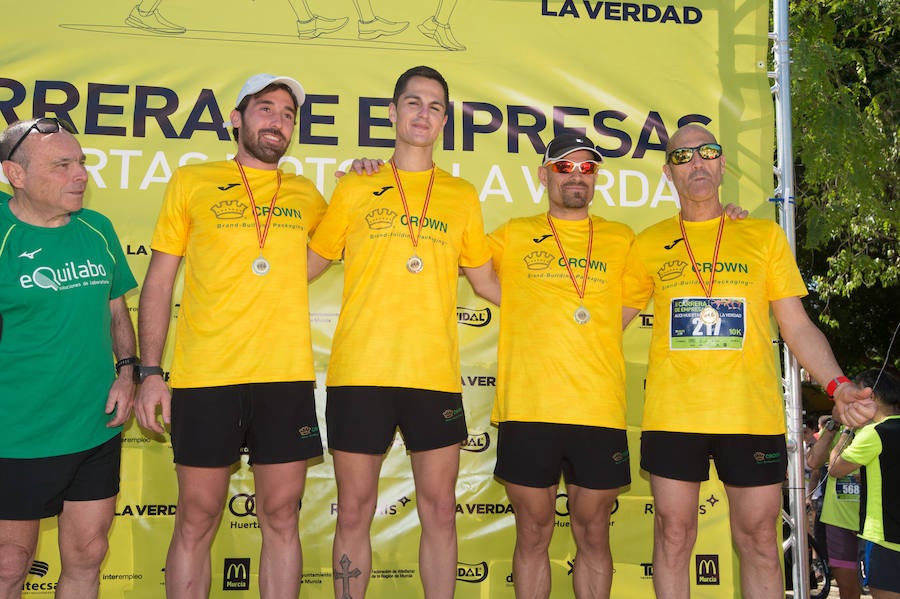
point(713, 323)
point(847, 488)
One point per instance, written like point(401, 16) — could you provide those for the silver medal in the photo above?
point(260, 266)
point(582, 315)
point(414, 264)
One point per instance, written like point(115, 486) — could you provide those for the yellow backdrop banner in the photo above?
point(148, 87)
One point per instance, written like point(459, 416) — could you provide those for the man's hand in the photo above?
point(153, 392)
point(120, 400)
point(735, 212)
point(854, 405)
point(369, 166)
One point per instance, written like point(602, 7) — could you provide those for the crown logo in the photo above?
point(381, 218)
point(229, 209)
point(671, 270)
point(538, 260)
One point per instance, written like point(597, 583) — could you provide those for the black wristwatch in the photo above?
point(832, 425)
point(142, 372)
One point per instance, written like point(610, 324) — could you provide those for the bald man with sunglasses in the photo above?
point(562, 413)
point(63, 396)
point(713, 389)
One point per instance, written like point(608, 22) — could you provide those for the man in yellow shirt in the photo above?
point(562, 412)
point(403, 234)
point(242, 370)
point(713, 390)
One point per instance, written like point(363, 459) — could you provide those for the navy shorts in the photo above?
point(879, 567)
point(35, 488)
point(535, 454)
point(741, 460)
point(275, 422)
point(365, 419)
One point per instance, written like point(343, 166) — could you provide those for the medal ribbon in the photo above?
point(413, 237)
point(260, 234)
point(587, 264)
point(687, 246)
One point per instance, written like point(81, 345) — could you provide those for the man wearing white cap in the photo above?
point(242, 371)
point(562, 413)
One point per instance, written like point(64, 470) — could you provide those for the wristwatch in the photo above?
point(832, 425)
point(142, 372)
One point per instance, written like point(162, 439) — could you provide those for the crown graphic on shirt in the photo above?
point(538, 260)
point(229, 209)
point(671, 270)
point(381, 218)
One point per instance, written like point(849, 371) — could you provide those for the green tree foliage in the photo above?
point(845, 90)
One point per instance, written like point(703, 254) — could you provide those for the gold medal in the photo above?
point(582, 315)
point(260, 266)
point(414, 264)
point(709, 316)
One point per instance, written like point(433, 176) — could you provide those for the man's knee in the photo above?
point(15, 560)
point(85, 555)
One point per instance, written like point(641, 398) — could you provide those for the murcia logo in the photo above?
point(671, 270)
point(236, 574)
point(471, 572)
point(538, 260)
point(381, 218)
point(477, 443)
point(707, 569)
point(473, 318)
point(230, 209)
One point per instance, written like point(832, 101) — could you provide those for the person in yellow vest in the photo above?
point(242, 369)
point(713, 389)
point(562, 413)
point(403, 234)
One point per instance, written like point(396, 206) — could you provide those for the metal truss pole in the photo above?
point(784, 198)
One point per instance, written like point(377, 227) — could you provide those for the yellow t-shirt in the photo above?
point(234, 326)
point(715, 377)
point(550, 368)
point(397, 328)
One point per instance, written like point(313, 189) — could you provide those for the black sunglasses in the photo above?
point(708, 151)
point(45, 125)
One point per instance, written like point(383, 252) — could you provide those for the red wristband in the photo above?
point(833, 384)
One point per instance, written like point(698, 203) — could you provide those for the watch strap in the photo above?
point(833, 384)
point(130, 360)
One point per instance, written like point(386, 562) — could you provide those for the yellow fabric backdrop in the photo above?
point(146, 102)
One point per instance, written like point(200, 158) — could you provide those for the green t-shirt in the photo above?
point(876, 447)
point(840, 503)
point(56, 357)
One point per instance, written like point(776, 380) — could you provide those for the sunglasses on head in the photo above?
point(585, 167)
point(708, 151)
point(45, 125)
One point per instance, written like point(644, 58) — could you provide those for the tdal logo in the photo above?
point(471, 572)
point(473, 318)
point(477, 443)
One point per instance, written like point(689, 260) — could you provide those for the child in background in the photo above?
point(875, 449)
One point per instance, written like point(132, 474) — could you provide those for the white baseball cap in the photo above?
point(258, 82)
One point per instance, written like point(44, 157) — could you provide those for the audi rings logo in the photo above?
point(242, 505)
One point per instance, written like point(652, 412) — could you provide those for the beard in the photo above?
point(576, 196)
point(264, 150)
